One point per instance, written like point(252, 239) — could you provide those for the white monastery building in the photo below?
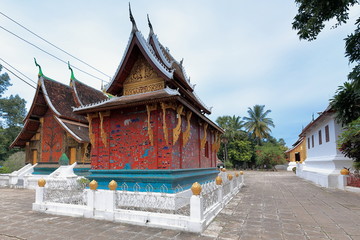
point(324, 160)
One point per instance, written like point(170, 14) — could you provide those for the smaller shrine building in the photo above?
point(51, 128)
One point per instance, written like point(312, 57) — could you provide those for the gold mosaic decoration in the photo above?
point(86, 151)
point(203, 140)
point(142, 78)
point(216, 144)
point(186, 135)
point(91, 134)
point(177, 129)
point(150, 108)
point(103, 132)
point(164, 106)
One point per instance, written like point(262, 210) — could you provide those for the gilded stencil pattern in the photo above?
point(141, 70)
point(186, 135)
point(142, 78)
point(142, 89)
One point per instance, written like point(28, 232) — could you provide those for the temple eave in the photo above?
point(119, 106)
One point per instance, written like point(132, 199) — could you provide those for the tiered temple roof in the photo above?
point(60, 99)
point(176, 83)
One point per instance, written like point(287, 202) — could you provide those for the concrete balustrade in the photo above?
point(204, 204)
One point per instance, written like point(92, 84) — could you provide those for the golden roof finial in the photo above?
point(134, 27)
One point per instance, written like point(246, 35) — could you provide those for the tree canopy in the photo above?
point(232, 125)
point(12, 112)
point(238, 149)
point(269, 155)
point(258, 124)
point(310, 21)
point(4, 82)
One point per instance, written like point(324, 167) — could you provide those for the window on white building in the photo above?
point(312, 141)
point(327, 134)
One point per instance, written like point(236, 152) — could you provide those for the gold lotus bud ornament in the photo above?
point(224, 169)
point(113, 185)
point(345, 171)
point(236, 175)
point(218, 180)
point(196, 188)
point(41, 182)
point(230, 177)
point(93, 185)
point(241, 173)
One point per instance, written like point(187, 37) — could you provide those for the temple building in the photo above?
point(297, 153)
point(51, 128)
point(155, 121)
point(324, 160)
point(153, 129)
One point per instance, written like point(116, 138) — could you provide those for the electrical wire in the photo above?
point(18, 76)
point(52, 55)
point(17, 70)
point(54, 45)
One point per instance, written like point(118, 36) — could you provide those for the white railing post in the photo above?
point(196, 203)
point(90, 195)
point(196, 207)
point(39, 195)
point(342, 181)
point(38, 205)
point(230, 178)
point(220, 190)
point(242, 178)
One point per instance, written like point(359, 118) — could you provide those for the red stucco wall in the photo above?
point(52, 139)
point(129, 145)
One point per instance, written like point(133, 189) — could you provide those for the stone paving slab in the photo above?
point(272, 205)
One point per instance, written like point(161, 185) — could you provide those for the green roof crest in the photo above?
point(40, 71)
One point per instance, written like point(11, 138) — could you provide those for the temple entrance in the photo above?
point(297, 157)
point(72, 155)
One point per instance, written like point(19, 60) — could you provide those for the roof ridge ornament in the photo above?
point(72, 77)
point(134, 27)
point(40, 71)
point(150, 26)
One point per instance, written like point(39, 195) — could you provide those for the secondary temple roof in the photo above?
point(60, 99)
point(328, 111)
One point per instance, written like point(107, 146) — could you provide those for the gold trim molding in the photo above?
point(164, 106)
point(90, 117)
point(150, 108)
point(203, 140)
point(186, 135)
point(177, 129)
point(102, 131)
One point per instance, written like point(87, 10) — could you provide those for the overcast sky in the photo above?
point(238, 53)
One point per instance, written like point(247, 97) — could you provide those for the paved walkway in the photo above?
point(273, 205)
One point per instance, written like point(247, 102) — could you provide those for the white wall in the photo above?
point(324, 161)
point(326, 148)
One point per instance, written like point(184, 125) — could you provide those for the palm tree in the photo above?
point(231, 125)
point(257, 124)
